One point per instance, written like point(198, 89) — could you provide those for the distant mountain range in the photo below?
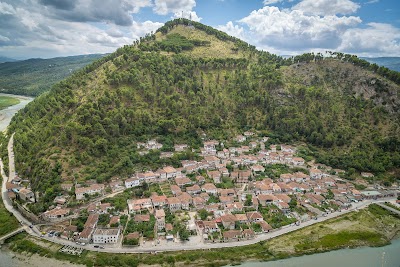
point(36, 75)
point(392, 63)
point(6, 59)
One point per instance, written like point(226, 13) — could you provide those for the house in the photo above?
point(265, 227)
point(161, 174)
point(210, 188)
point(228, 221)
point(300, 177)
point(254, 216)
point(67, 186)
point(116, 185)
point(262, 188)
point(257, 168)
point(174, 204)
point(106, 236)
point(180, 147)
point(85, 235)
point(232, 235)
point(181, 182)
point(283, 207)
point(244, 176)
point(215, 175)
point(26, 195)
point(297, 161)
point(248, 233)
point(153, 144)
point(139, 218)
point(234, 207)
point(193, 190)
point(54, 214)
point(114, 221)
point(286, 177)
point(242, 218)
point(267, 199)
point(226, 200)
point(104, 207)
point(224, 171)
point(209, 147)
point(212, 161)
point(90, 190)
point(199, 202)
point(160, 219)
point(137, 205)
point(176, 190)
point(89, 227)
point(149, 177)
point(158, 201)
point(240, 138)
point(227, 192)
point(210, 227)
point(186, 200)
point(132, 182)
point(315, 173)
point(200, 179)
point(171, 172)
point(367, 174)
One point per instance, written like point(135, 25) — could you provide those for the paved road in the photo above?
point(19, 230)
point(11, 163)
point(389, 208)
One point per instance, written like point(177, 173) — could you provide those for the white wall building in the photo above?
point(106, 236)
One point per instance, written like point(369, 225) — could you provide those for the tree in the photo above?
point(293, 202)
point(203, 214)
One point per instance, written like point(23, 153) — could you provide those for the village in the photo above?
point(233, 193)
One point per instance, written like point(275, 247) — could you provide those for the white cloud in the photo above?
point(327, 7)
point(377, 39)
point(233, 30)
point(6, 9)
point(31, 31)
point(164, 7)
point(292, 29)
point(271, 2)
point(372, 2)
point(187, 15)
point(140, 29)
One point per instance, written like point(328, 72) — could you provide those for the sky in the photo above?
point(51, 28)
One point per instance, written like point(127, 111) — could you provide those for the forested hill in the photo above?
point(188, 80)
point(35, 76)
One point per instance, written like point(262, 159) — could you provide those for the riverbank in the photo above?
point(6, 101)
point(372, 226)
point(7, 113)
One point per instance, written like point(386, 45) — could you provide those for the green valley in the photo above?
point(35, 76)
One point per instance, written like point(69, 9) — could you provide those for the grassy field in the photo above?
point(6, 101)
point(369, 227)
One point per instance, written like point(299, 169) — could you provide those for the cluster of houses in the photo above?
point(234, 212)
point(15, 189)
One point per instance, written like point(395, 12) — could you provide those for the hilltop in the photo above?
point(188, 83)
point(35, 76)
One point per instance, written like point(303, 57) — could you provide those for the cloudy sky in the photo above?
point(49, 28)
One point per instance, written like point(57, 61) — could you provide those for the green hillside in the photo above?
point(35, 76)
point(190, 79)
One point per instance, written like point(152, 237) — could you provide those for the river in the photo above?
point(388, 256)
point(7, 113)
